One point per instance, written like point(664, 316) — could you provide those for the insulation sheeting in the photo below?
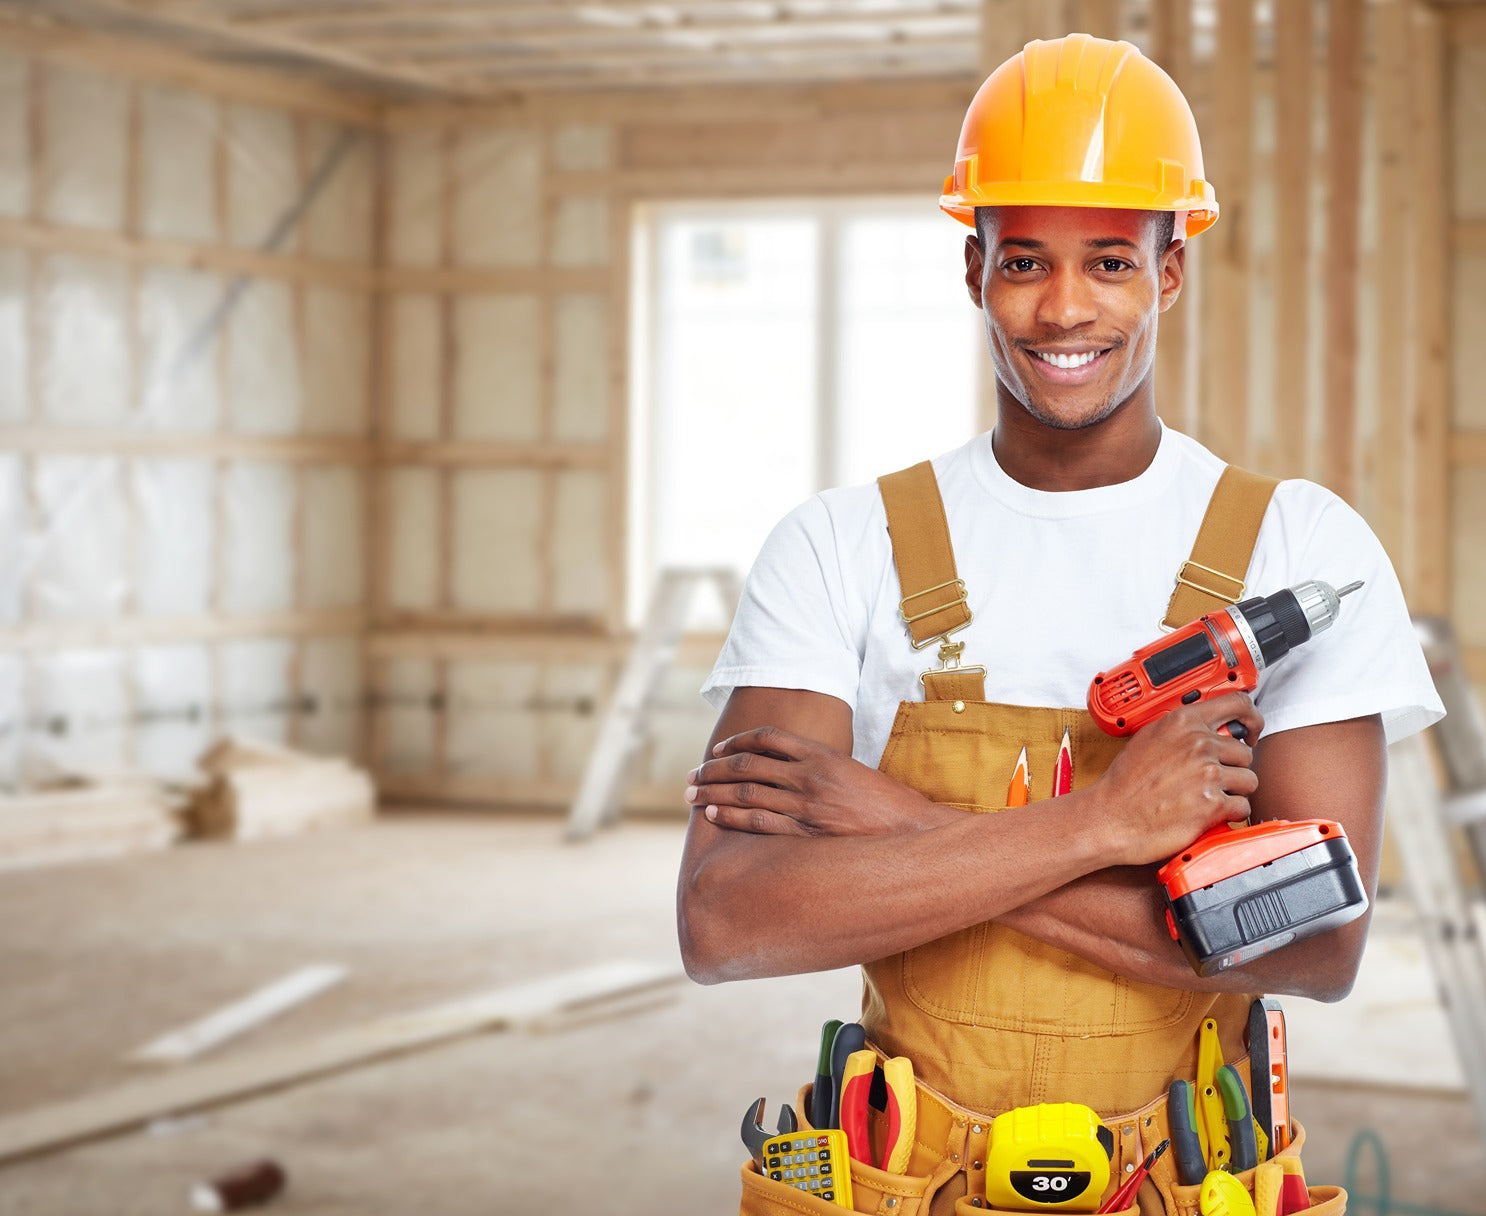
point(180, 386)
point(497, 370)
point(416, 358)
point(415, 184)
point(262, 172)
point(580, 232)
point(414, 519)
point(407, 725)
point(174, 538)
point(174, 691)
point(580, 542)
point(498, 550)
point(14, 349)
point(582, 148)
point(81, 571)
point(258, 556)
point(338, 222)
point(580, 408)
point(337, 366)
point(679, 729)
point(334, 512)
point(255, 692)
point(12, 719)
point(263, 376)
point(571, 699)
point(492, 729)
point(178, 154)
point(330, 679)
point(15, 141)
point(14, 542)
point(85, 359)
point(81, 715)
point(85, 124)
point(497, 197)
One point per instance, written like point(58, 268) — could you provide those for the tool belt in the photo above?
point(946, 1170)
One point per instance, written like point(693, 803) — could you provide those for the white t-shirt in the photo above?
point(1064, 585)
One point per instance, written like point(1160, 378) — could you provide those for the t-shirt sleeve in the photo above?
point(1370, 661)
point(791, 628)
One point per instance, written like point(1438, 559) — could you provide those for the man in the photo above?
point(1021, 957)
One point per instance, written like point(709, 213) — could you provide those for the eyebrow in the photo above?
point(1098, 242)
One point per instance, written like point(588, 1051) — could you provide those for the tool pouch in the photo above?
point(1184, 1200)
point(872, 1189)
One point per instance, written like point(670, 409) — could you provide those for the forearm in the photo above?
point(755, 906)
point(1116, 919)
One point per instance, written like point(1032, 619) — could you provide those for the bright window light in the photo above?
point(780, 348)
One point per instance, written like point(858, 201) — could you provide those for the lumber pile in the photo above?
point(107, 817)
point(256, 789)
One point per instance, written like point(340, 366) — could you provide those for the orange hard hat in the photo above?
point(1080, 122)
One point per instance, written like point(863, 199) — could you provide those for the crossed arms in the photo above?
point(789, 832)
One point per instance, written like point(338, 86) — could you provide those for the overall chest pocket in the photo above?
point(987, 975)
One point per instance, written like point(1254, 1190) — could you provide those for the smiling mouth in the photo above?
point(1080, 359)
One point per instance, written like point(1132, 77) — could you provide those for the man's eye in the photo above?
point(1114, 265)
point(1021, 265)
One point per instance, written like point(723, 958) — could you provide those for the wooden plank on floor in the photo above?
point(240, 1016)
point(203, 1085)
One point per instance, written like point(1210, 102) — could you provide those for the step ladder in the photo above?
point(627, 721)
point(1436, 789)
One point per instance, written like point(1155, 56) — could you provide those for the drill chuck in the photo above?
point(1273, 625)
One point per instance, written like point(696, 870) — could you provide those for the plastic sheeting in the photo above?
point(108, 545)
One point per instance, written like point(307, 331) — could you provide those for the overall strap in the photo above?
point(934, 601)
point(1214, 575)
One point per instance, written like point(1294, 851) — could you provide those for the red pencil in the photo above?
point(1063, 772)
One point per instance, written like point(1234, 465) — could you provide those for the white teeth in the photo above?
point(1068, 360)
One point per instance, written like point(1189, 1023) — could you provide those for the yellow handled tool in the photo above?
point(1224, 1195)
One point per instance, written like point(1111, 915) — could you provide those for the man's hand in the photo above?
point(1179, 778)
point(772, 782)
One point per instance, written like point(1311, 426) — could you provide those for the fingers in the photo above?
point(1233, 707)
point(745, 768)
point(769, 741)
point(754, 821)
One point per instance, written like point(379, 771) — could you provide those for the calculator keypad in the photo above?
point(808, 1162)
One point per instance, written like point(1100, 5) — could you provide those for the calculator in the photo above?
point(814, 1161)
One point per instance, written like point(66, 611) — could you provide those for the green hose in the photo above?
point(1381, 1204)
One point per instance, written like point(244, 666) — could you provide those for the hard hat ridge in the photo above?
point(1080, 122)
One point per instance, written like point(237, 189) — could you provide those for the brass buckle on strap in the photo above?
point(910, 618)
point(1181, 577)
point(949, 660)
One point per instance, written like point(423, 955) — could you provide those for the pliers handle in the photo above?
point(900, 1107)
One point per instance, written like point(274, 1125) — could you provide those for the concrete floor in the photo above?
point(623, 1115)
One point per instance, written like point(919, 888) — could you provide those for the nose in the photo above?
point(1067, 300)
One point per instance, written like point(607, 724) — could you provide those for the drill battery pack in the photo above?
point(1239, 893)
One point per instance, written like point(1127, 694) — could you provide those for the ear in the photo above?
point(1173, 269)
point(974, 268)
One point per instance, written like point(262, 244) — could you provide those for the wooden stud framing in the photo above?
point(1430, 585)
point(1176, 391)
point(1393, 440)
point(1343, 172)
point(1294, 43)
point(1227, 248)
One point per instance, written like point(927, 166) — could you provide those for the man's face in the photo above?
point(1071, 296)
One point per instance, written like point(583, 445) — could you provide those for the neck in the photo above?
point(1118, 448)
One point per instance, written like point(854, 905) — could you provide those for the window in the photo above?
point(780, 348)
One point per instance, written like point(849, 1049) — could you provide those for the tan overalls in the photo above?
point(994, 1018)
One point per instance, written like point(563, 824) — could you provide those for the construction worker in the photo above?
point(1021, 957)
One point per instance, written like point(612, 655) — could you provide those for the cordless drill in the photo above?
point(1238, 892)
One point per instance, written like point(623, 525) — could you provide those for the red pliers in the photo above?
point(900, 1108)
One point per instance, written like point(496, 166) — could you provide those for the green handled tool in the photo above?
point(1240, 1118)
point(820, 1094)
point(849, 1038)
point(1186, 1145)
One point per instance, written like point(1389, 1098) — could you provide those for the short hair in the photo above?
point(1162, 230)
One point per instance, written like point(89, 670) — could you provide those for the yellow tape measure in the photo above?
point(1048, 1158)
